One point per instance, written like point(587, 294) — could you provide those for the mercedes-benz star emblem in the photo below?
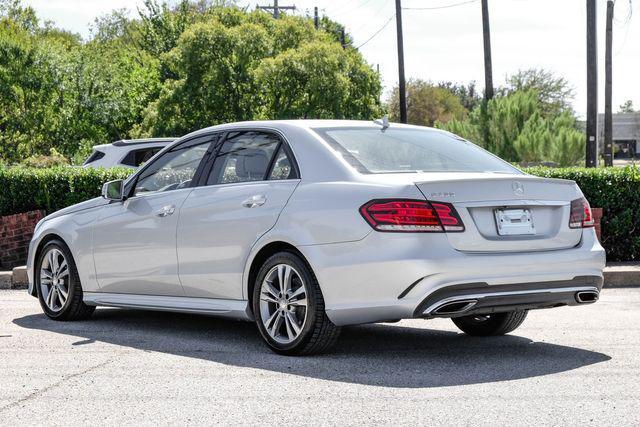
point(518, 188)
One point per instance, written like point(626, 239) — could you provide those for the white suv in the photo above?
point(128, 153)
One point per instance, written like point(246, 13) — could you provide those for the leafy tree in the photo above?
point(245, 66)
point(23, 17)
point(568, 144)
point(534, 140)
point(627, 107)
point(426, 104)
point(116, 26)
point(554, 93)
point(173, 69)
point(516, 128)
point(32, 95)
point(318, 80)
point(468, 94)
point(56, 92)
point(335, 29)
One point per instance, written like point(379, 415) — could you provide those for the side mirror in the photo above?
point(112, 190)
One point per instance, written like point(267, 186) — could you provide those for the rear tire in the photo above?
point(58, 284)
point(291, 318)
point(490, 324)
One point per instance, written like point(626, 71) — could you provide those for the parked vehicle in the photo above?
point(306, 226)
point(127, 153)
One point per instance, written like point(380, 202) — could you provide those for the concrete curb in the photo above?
point(622, 275)
point(15, 279)
point(616, 275)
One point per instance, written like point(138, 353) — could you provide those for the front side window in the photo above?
point(372, 150)
point(244, 157)
point(174, 169)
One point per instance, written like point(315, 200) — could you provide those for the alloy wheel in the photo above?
point(283, 303)
point(54, 279)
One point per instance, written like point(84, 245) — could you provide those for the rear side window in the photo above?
point(371, 150)
point(95, 156)
point(138, 157)
point(250, 156)
point(282, 167)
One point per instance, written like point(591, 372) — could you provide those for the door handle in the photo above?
point(166, 211)
point(254, 201)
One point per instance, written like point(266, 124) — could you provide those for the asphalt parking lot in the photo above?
point(565, 366)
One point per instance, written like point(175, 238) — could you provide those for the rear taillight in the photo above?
point(402, 215)
point(581, 216)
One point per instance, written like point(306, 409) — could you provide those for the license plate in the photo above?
point(514, 222)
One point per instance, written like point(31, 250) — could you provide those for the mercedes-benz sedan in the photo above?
point(306, 226)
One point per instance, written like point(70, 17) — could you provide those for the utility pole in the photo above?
point(592, 87)
point(276, 9)
point(316, 23)
point(401, 83)
point(608, 116)
point(486, 35)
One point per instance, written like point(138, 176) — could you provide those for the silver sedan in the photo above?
point(306, 226)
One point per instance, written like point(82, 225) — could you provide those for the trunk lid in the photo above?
point(533, 212)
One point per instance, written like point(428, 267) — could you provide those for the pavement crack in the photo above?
point(52, 386)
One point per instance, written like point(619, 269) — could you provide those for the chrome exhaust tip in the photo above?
point(454, 307)
point(587, 297)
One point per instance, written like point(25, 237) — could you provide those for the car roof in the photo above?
point(283, 125)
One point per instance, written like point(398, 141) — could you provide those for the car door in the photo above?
point(246, 185)
point(134, 241)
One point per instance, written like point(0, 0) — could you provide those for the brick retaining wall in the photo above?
point(15, 235)
point(597, 217)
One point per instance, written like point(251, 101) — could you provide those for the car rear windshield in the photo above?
point(372, 150)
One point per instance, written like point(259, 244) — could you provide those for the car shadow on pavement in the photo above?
point(385, 355)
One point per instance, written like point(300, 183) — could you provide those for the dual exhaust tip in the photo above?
point(462, 306)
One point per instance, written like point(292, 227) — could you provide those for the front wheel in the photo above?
point(289, 308)
point(58, 284)
point(490, 324)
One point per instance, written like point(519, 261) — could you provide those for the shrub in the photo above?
point(25, 189)
point(41, 161)
point(617, 192)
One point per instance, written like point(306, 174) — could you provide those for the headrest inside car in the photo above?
point(251, 163)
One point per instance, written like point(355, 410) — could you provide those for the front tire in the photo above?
point(490, 324)
point(58, 284)
point(289, 308)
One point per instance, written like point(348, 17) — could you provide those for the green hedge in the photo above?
point(25, 189)
point(617, 192)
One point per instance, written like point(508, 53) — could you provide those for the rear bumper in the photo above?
point(389, 276)
point(480, 298)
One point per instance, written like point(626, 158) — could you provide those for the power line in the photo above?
point(377, 32)
point(441, 7)
point(366, 23)
point(346, 11)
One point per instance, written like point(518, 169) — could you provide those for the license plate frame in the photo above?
point(514, 222)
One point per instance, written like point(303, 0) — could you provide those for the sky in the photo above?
point(445, 41)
